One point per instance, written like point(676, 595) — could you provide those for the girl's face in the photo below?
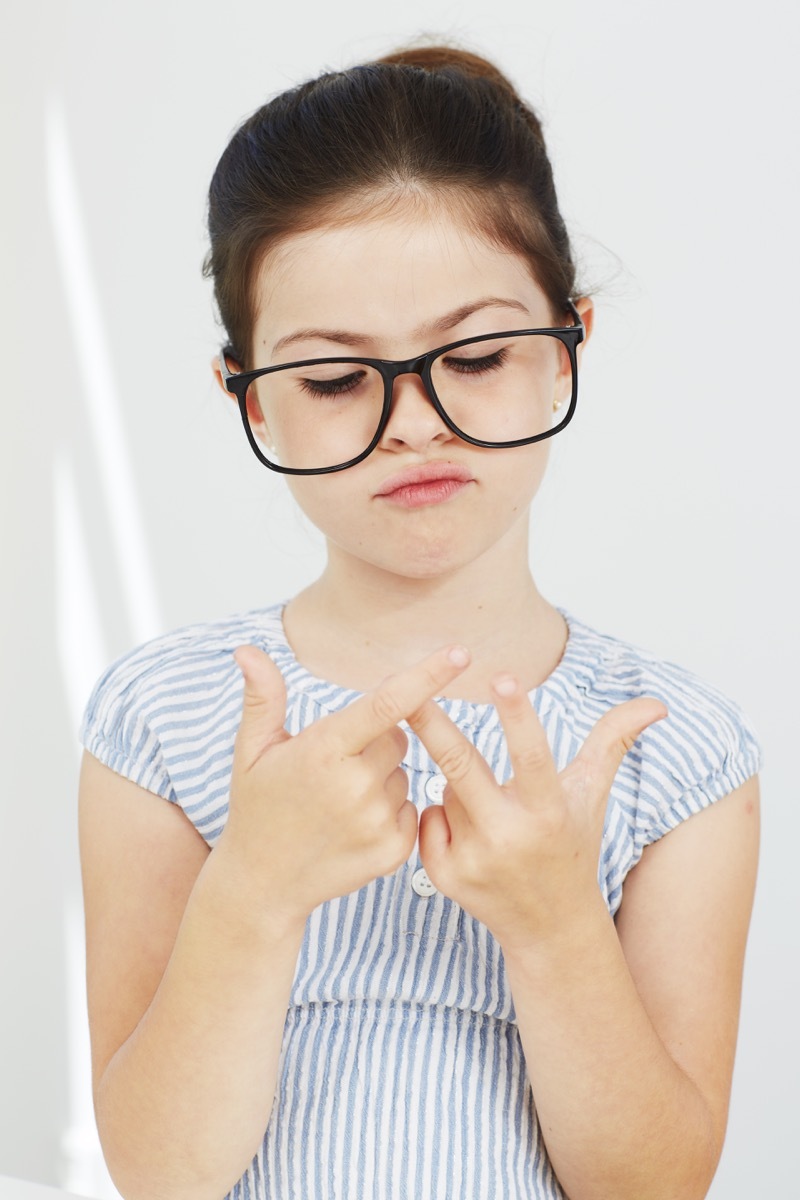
point(383, 286)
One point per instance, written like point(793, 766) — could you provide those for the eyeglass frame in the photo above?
point(237, 383)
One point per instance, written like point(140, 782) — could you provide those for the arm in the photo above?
point(629, 1033)
point(188, 987)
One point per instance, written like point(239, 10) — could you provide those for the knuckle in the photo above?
point(552, 818)
point(323, 751)
point(376, 824)
point(627, 741)
point(362, 825)
point(395, 861)
point(400, 740)
point(586, 773)
point(456, 761)
point(620, 730)
point(385, 707)
point(420, 718)
point(473, 866)
point(363, 782)
point(432, 680)
point(532, 757)
point(398, 782)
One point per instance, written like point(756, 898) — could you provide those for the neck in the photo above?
point(357, 624)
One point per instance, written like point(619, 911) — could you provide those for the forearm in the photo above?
point(618, 1116)
point(183, 1104)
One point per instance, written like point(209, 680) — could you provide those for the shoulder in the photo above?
point(703, 749)
point(182, 681)
point(183, 663)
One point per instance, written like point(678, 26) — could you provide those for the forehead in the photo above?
point(385, 276)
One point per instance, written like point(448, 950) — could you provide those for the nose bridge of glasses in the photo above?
point(393, 370)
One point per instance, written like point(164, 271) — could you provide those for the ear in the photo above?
point(585, 306)
point(215, 367)
point(254, 413)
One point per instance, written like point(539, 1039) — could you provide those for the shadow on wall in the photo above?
point(107, 487)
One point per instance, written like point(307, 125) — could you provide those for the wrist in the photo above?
point(566, 936)
point(252, 892)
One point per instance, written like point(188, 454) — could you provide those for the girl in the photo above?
point(424, 913)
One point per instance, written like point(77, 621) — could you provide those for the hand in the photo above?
point(322, 813)
point(522, 857)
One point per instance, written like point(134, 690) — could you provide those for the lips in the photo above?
point(427, 473)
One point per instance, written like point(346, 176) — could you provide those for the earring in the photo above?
point(557, 405)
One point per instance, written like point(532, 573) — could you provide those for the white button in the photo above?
point(434, 788)
point(421, 884)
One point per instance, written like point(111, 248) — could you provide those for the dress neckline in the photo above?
point(574, 671)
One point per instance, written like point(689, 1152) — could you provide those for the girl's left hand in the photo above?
point(522, 856)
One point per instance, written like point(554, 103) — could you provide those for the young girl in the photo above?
point(392, 890)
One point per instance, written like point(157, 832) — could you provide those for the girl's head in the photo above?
point(424, 128)
point(385, 211)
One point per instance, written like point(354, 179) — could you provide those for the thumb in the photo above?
point(263, 704)
point(434, 842)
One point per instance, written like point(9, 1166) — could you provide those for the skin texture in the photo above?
point(628, 1027)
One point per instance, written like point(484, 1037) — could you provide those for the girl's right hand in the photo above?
point(322, 813)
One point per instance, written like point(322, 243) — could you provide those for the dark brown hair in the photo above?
point(424, 125)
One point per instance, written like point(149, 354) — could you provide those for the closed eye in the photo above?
point(477, 366)
point(332, 387)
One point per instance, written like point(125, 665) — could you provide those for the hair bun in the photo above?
point(435, 58)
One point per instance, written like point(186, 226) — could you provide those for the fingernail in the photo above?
point(458, 655)
point(505, 685)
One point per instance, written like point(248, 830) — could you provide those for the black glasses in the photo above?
point(326, 414)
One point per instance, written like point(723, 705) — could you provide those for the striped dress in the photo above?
point(402, 1075)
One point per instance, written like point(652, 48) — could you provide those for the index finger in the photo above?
point(396, 698)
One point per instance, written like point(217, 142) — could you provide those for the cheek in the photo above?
point(516, 476)
point(326, 500)
point(255, 419)
point(564, 380)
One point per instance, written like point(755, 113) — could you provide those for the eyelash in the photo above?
point(331, 387)
point(347, 383)
point(476, 366)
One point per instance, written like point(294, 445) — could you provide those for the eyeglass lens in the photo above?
point(499, 390)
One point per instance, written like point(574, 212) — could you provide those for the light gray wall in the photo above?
point(673, 134)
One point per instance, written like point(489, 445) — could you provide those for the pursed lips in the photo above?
point(426, 473)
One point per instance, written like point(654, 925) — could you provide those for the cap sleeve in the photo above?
point(115, 726)
point(704, 749)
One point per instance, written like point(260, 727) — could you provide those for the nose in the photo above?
point(413, 420)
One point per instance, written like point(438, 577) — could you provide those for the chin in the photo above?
point(422, 554)
point(430, 562)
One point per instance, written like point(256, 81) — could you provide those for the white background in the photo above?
point(131, 503)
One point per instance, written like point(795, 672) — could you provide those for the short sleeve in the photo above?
point(704, 749)
point(116, 730)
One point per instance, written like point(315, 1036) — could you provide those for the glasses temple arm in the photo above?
point(576, 316)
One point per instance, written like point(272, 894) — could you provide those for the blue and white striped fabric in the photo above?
point(402, 1073)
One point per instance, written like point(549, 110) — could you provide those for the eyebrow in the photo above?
point(440, 325)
